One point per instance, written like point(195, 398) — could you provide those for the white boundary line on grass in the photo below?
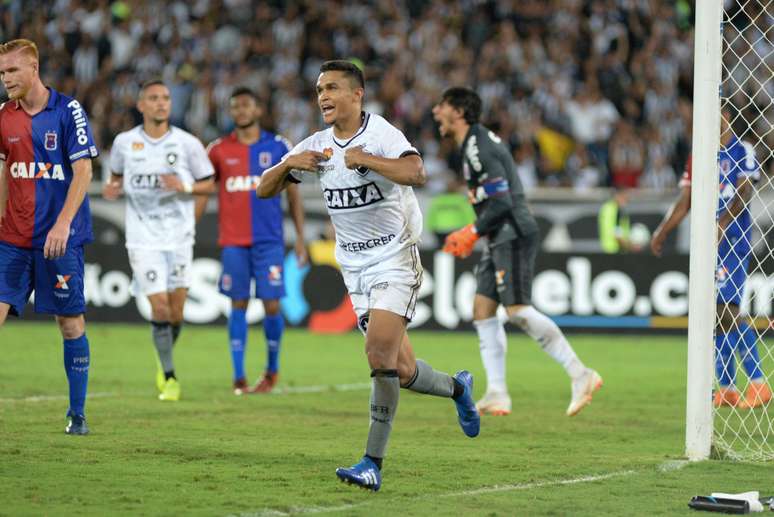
point(270, 512)
point(49, 398)
point(287, 390)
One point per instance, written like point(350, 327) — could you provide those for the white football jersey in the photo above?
point(158, 219)
point(374, 218)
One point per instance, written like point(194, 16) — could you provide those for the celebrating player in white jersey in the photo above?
point(366, 169)
point(165, 174)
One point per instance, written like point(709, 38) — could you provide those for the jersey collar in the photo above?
point(364, 117)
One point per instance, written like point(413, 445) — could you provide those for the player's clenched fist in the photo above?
point(112, 190)
point(306, 161)
point(355, 157)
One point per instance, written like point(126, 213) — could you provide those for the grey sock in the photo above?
point(163, 341)
point(426, 380)
point(385, 390)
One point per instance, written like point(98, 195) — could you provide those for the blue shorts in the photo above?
point(261, 262)
point(58, 284)
point(731, 275)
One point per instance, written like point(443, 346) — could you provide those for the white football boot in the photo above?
point(494, 403)
point(583, 388)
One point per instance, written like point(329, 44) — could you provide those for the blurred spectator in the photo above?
point(449, 211)
point(556, 73)
point(627, 157)
point(614, 224)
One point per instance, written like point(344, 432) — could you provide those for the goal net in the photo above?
point(744, 353)
point(740, 416)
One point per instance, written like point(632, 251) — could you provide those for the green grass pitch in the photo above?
point(217, 454)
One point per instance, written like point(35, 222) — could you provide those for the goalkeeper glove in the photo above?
point(460, 243)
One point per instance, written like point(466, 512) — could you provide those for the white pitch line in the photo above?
point(49, 398)
point(322, 388)
point(270, 512)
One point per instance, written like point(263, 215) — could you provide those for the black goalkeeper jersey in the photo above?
point(494, 188)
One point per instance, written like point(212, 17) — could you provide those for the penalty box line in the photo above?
point(308, 510)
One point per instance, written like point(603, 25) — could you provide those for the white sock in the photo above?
point(493, 345)
point(542, 329)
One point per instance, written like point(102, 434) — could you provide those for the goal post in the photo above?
point(704, 200)
point(733, 103)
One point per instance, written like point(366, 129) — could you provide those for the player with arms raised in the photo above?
point(165, 174)
point(739, 170)
point(251, 232)
point(504, 275)
point(366, 169)
point(46, 147)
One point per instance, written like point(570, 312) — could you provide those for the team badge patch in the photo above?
point(500, 276)
point(171, 158)
point(50, 141)
point(138, 146)
point(328, 152)
point(275, 275)
point(264, 159)
point(226, 282)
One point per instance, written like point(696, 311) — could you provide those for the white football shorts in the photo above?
point(158, 271)
point(391, 285)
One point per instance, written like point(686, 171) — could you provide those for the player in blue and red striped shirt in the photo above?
point(251, 232)
point(46, 147)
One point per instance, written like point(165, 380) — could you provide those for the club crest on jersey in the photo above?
point(138, 146)
point(171, 158)
point(328, 152)
point(264, 159)
point(50, 141)
point(352, 197)
point(362, 171)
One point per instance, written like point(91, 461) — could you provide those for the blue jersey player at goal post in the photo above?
point(738, 171)
point(46, 147)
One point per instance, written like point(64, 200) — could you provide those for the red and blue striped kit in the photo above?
point(38, 152)
point(244, 219)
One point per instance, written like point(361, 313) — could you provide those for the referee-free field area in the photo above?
point(216, 454)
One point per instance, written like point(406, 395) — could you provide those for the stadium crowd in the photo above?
point(587, 93)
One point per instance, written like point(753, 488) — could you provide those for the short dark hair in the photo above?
point(466, 100)
point(151, 82)
point(350, 69)
point(243, 90)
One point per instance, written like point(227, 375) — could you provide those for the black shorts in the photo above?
point(506, 270)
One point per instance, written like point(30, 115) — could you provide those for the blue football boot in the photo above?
point(364, 474)
point(76, 425)
point(469, 419)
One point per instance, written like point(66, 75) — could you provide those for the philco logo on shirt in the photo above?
point(242, 183)
point(352, 197)
point(33, 170)
point(79, 117)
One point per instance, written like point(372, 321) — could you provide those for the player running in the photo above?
point(504, 274)
point(251, 232)
point(161, 169)
point(366, 169)
point(46, 147)
point(739, 170)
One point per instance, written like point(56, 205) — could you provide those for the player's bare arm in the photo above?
point(113, 189)
point(407, 170)
point(744, 188)
point(56, 240)
point(672, 219)
point(275, 179)
point(203, 187)
point(296, 208)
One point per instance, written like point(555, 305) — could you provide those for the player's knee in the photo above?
point(239, 304)
point(71, 327)
point(271, 307)
point(160, 311)
point(379, 357)
point(406, 370)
